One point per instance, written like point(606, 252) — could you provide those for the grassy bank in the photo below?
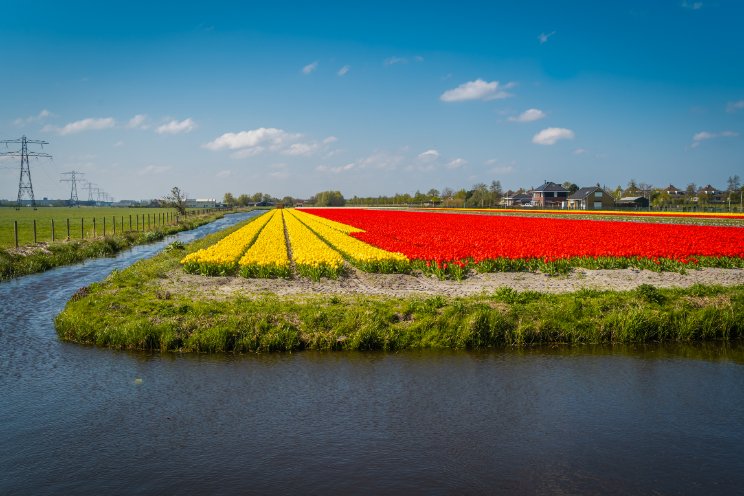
point(130, 311)
point(41, 257)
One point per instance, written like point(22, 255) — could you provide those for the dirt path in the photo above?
point(399, 285)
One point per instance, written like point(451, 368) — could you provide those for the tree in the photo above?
point(447, 193)
point(330, 199)
point(496, 192)
point(734, 182)
point(570, 187)
point(176, 199)
point(229, 200)
point(243, 200)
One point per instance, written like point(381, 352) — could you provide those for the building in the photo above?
point(549, 194)
point(709, 194)
point(512, 199)
point(674, 192)
point(590, 198)
point(632, 202)
point(201, 203)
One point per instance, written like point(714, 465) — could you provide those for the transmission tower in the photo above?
point(90, 187)
point(74, 175)
point(25, 187)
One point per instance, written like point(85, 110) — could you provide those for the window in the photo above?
point(597, 194)
point(597, 204)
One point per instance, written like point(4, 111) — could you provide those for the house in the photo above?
point(709, 194)
point(590, 198)
point(549, 194)
point(201, 203)
point(673, 191)
point(512, 199)
point(632, 202)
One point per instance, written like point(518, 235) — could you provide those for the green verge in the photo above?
point(129, 311)
point(40, 258)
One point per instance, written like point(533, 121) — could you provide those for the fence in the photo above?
point(64, 229)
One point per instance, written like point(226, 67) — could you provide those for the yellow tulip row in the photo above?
point(312, 256)
point(361, 254)
point(221, 257)
point(267, 257)
point(338, 226)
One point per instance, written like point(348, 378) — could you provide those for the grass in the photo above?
point(130, 311)
point(15, 263)
point(44, 216)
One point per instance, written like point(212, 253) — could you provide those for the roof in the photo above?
point(630, 199)
point(550, 186)
point(582, 193)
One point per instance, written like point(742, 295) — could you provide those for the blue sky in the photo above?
point(372, 98)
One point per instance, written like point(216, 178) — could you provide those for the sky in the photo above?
point(370, 98)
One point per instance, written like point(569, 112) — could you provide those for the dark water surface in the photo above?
point(598, 420)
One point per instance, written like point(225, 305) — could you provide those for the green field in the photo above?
point(44, 216)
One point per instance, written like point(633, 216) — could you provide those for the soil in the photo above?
point(402, 285)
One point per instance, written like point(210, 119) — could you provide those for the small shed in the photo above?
point(632, 202)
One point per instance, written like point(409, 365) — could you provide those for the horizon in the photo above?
point(373, 99)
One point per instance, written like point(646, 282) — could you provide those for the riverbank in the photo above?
point(31, 259)
point(154, 305)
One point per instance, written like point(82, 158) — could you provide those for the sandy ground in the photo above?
point(399, 285)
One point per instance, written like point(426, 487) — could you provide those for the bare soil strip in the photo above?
point(402, 285)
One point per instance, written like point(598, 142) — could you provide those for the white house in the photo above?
point(201, 203)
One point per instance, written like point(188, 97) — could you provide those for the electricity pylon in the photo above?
point(25, 187)
point(74, 175)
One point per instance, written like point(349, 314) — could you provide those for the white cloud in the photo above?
point(692, 5)
point(279, 174)
point(551, 135)
point(22, 121)
point(310, 68)
point(177, 127)
point(336, 170)
point(529, 115)
point(256, 141)
point(734, 106)
point(579, 151)
point(89, 124)
point(248, 139)
point(119, 143)
point(477, 90)
point(152, 170)
point(395, 60)
point(224, 173)
point(456, 163)
point(305, 149)
point(344, 70)
point(544, 37)
point(139, 121)
point(428, 155)
point(698, 138)
point(501, 168)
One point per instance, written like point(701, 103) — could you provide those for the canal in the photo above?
point(74, 419)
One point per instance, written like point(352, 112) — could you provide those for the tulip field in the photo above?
point(318, 242)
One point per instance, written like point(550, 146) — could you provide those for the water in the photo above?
point(607, 420)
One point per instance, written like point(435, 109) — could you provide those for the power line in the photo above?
point(73, 187)
point(25, 186)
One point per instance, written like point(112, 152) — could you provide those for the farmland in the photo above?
point(451, 246)
point(76, 215)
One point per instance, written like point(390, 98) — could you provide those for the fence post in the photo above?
point(113, 219)
point(104, 227)
point(34, 231)
point(137, 219)
point(130, 222)
point(94, 227)
point(15, 232)
point(68, 229)
point(52, 230)
point(82, 228)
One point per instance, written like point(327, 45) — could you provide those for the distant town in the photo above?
point(550, 195)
